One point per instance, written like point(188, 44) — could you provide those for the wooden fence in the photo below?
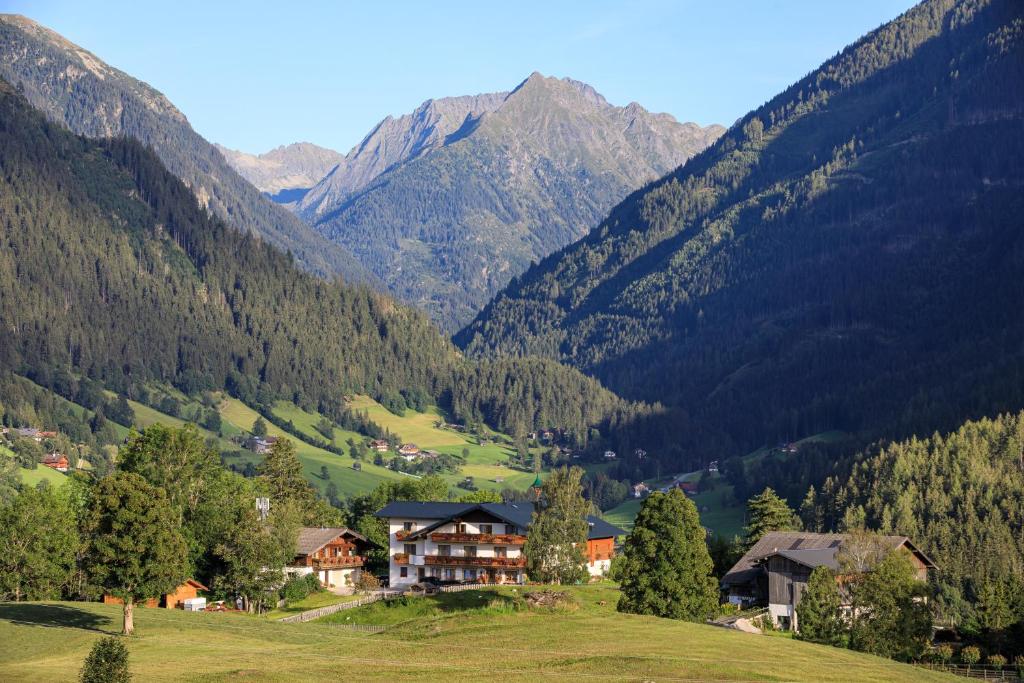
point(979, 672)
point(466, 587)
point(310, 615)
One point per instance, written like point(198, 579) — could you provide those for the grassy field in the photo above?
point(312, 601)
point(339, 467)
point(462, 637)
point(41, 473)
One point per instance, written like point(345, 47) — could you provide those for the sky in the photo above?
point(256, 75)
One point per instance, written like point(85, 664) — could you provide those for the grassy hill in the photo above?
point(435, 639)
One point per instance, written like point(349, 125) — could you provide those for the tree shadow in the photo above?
point(60, 616)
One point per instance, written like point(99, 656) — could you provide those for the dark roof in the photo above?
point(512, 513)
point(312, 539)
point(806, 548)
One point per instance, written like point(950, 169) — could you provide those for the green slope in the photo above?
point(49, 641)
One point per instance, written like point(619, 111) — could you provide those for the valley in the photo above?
point(627, 396)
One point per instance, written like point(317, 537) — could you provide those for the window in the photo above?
point(403, 571)
point(499, 551)
point(469, 574)
point(444, 549)
point(486, 529)
point(462, 528)
point(511, 529)
point(470, 550)
point(409, 526)
point(410, 548)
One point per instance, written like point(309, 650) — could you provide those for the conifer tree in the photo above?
point(136, 549)
point(767, 512)
point(557, 536)
point(281, 473)
point(666, 567)
point(818, 614)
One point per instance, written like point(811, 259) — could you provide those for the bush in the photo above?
point(314, 583)
point(943, 653)
point(107, 662)
point(970, 656)
point(996, 661)
point(295, 588)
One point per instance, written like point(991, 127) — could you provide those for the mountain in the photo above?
point(110, 269)
point(285, 173)
point(447, 204)
point(75, 88)
point(847, 256)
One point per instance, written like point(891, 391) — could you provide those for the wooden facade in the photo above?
point(172, 600)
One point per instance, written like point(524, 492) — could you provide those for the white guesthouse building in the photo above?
point(472, 542)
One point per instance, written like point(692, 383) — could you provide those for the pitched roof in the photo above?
point(512, 513)
point(312, 539)
point(809, 549)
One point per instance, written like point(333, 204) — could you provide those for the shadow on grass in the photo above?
point(61, 616)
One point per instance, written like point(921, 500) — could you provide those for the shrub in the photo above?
point(996, 661)
point(295, 588)
point(313, 582)
point(970, 656)
point(943, 653)
point(1018, 662)
point(107, 662)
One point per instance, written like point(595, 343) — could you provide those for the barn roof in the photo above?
point(806, 548)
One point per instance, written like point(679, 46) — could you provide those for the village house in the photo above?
point(473, 542)
point(775, 571)
point(640, 490)
point(713, 467)
point(687, 487)
point(187, 591)
point(56, 461)
point(407, 449)
point(609, 455)
point(335, 554)
point(262, 444)
point(380, 445)
point(640, 454)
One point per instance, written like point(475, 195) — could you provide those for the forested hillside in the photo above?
point(847, 256)
point(75, 88)
point(447, 204)
point(110, 268)
point(960, 496)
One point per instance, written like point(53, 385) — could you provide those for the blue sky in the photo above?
point(258, 74)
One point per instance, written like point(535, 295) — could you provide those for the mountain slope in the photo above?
point(285, 173)
point(848, 256)
point(109, 268)
point(447, 204)
point(75, 88)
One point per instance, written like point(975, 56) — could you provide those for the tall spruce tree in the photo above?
point(767, 512)
point(557, 536)
point(281, 473)
point(666, 567)
point(136, 549)
point(818, 615)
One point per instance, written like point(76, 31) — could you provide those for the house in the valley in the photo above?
point(473, 542)
point(775, 571)
point(407, 449)
point(262, 444)
point(56, 461)
point(610, 455)
point(173, 600)
point(380, 445)
point(640, 490)
point(687, 487)
point(335, 554)
point(713, 467)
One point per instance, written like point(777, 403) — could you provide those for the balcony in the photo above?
point(461, 561)
point(496, 539)
point(338, 562)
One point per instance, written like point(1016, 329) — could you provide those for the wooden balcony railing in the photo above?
point(401, 534)
point(337, 562)
point(496, 539)
point(400, 558)
point(460, 561)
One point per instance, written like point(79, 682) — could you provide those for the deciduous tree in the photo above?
point(557, 537)
point(136, 550)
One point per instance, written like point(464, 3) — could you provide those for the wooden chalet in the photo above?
point(56, 461)
point(335, 554)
